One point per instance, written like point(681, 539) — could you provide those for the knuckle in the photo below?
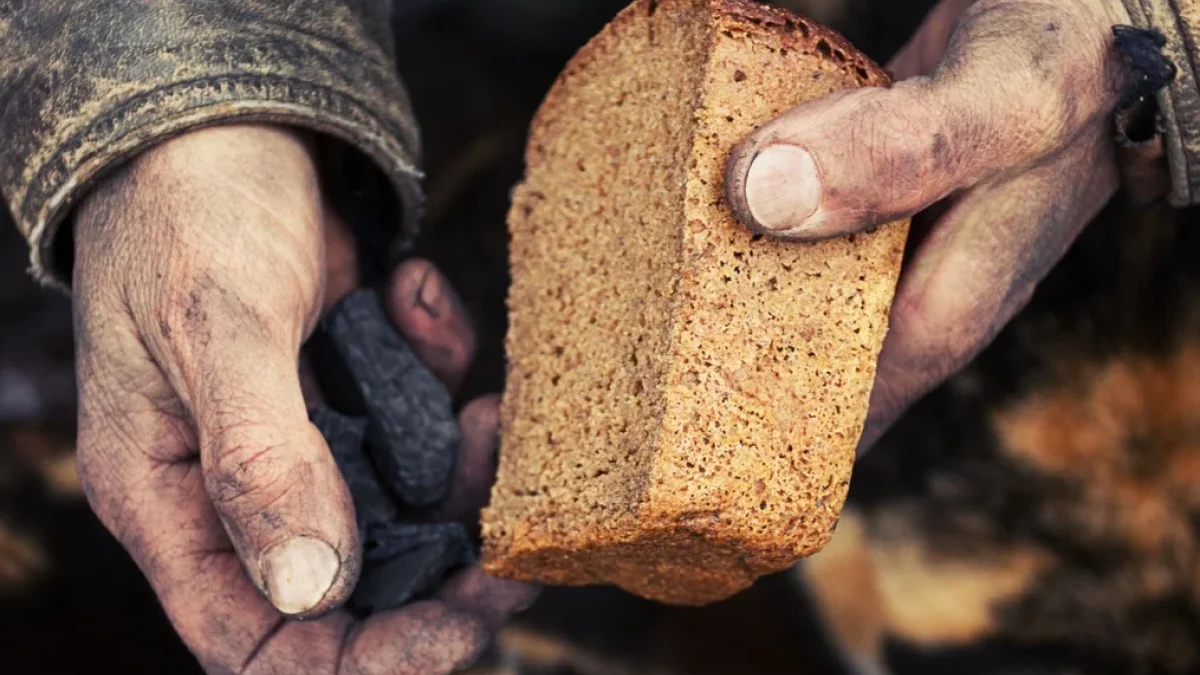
point(106, 484)
point(1045, 116)
point(463, 630)
point(120, 506)
point(470, 636)
point(440, 640)
point(246, 477)
point(894, 151)
point(1027, 76)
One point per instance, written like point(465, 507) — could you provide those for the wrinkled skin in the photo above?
point(200, 269)
point(1001, 118)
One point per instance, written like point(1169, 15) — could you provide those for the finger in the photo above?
point(490, 599)
point(475, 470)
point(270, 474)
point(920, 55)
point(977, 268)
point(433, 319)
point(423, 639)
point(427, 638)
point(1019, 80)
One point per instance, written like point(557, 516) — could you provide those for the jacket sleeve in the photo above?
point(1179, 103)
point(85, 85)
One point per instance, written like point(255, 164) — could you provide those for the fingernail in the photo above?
point(298, 573)
point(783, 188)
point(429, 294)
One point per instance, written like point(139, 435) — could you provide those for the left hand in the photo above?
point(200, 268)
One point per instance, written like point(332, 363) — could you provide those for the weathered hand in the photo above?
point(200, 269)
point(1004, 120)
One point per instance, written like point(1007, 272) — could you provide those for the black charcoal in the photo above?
point(345, 435)
point(394, 437)
point(412, 434)
point(406, 561)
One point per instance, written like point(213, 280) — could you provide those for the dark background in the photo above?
point(71, 601)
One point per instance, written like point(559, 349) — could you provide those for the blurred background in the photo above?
point(954, 556)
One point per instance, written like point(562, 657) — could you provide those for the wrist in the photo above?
point(269, 167)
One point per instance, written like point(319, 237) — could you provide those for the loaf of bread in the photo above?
point(683, 398)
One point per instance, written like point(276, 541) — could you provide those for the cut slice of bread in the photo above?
point(684, 398)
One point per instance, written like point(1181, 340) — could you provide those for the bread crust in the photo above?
point(805, 35)
point(667, 547)
point(795, 31)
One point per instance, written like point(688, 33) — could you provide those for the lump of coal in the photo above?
point(394, 438)
point(345, 435)
point(411, 433)
point(403, 561)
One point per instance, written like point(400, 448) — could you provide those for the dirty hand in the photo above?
point(200, 269)
point(1005, 120)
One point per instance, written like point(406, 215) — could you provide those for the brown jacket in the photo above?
point(1179, 103)
point(84, 85)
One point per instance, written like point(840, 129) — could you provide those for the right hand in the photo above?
point(1001, 118)
point(200, 269)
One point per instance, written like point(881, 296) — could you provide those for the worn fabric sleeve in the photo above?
point(1179, 103)
point(85, 85)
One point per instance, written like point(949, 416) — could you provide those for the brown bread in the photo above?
point(683, 398)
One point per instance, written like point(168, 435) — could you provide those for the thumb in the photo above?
point(224, 314)
point(1019, 79)
point(267, 469)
